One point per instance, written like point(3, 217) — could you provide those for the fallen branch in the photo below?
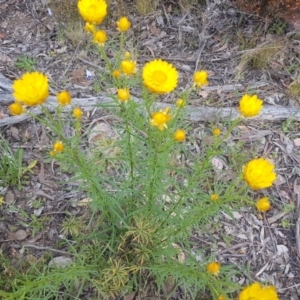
point(194, 113)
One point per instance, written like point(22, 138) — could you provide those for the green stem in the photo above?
point(107, 61)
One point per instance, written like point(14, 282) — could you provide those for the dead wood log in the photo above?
point(194, 113)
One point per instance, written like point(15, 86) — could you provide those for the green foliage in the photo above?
point(26, 63)
point(145, 194)
point(10, 165)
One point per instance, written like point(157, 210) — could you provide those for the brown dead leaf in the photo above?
point(203, 94)
point(154, 30)
point(19, 235)
point(297, 142)
point(130, 296)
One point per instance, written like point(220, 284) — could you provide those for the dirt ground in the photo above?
point(221, 40)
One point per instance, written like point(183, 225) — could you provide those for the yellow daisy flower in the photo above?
point(123, 95)
point(214, 197)
point(77, 113)
point(63, 98)
point(88, 27)
point(263, 204)
point(16, 109)
point(216, 132)
point(256, 291)
point(259, 174)
point(213, 268)
point(128, 67)
point(58, 146)
point(160, 77)
point(31, 89)
point(160, 119)
point(123, 24)
point(180, 103)
point(116, 73)
point(250, 106)
point(200, 78)
point(179, 135)
point(92, 11)
point(100, 37)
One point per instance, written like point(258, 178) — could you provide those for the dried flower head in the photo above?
point(77, 113)
point(200, 78)
point(128, 67)
point(100, 37)
point(63, 98)
point(123, 95)
point(160, 119)
point(16, 109)
point(31, 89)
point(263, 204)
point(259, 174)
point(92, 11)
point(213, 268)
point(256, 291)
point(123, 24)
point(179, 135)
point(160, 77)
point(250, 106)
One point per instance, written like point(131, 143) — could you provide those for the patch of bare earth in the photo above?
point(219, 39)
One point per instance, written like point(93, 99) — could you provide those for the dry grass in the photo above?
point(64, 11)
point(260, 56)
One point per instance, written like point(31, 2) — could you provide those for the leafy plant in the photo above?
point(26, 63)
point(10, 165)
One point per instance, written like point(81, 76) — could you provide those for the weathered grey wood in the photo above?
point(194, 113)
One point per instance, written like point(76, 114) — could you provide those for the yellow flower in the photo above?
point(116, 73)
point(77, 113)
point(216, 132)
point(179, 135)
point(31, 89)
point(16, 109)
point(160, 119)
point(250, 106)
point(263, 204)
point(127, 55)
point(128, 67)
point(92, 11)
point(160, 77)
point(52, 153)
point(123, 24)
point(213, 268)
point(100, 37)
point(214, 197)
point(259, 174)
point(123, 95)
point(256, 292)
point(221, 297)
point(200, 78)
point(89, 27)
point(63, 98)
point(58, 146)
point(180, 103)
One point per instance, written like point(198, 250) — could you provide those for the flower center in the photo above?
point(159, 77)
point(160, 118)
